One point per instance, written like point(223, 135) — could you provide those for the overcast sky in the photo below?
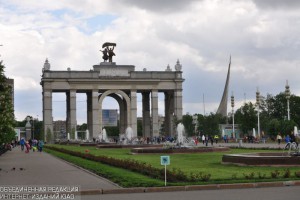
point(262, 36)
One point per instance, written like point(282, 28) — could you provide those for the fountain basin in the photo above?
point(178, 150)
point(262, 159)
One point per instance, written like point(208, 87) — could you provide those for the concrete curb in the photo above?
point(201, 187)
point(124, 190)
point(190, 188)
point(165, 189)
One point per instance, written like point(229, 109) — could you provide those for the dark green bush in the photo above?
point(249, 176)
point(275, 174)
point(261, 176)
point(297, 174)
point(287, 173)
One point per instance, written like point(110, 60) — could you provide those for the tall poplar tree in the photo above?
point(7, 119)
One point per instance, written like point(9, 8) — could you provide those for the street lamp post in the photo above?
point(258, 110)
point(232, 106)
point(288, 96)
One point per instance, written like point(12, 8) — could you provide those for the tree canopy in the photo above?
point(7, 119)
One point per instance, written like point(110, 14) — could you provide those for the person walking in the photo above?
point(211, 140)
point(203, 138)
point(206, 140)
point(22, 143)
point(216, 137)
point(40, 145)
point(27, 147)
point(278, 138)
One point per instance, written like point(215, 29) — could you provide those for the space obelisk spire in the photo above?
point(223, 104)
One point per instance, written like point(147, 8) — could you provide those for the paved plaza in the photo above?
point(40, 168)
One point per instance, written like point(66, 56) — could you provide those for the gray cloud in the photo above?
point(263, 42)
point(277, 4)
point(160, 6)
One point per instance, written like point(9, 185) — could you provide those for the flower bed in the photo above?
point(174, 175)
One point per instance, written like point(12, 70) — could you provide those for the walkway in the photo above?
point(42, 169)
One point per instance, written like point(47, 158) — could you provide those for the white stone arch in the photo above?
point(127, 102)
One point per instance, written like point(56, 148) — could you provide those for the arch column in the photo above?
point(146, 114)
point(71, 111)
point(178, 104)
point(123, 116)
point(154, 113)
point(92, 113)
point(133, 111)
point(169, 111)
point(47, 114)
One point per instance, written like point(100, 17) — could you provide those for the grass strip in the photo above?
point(209, 163)
point(122, 177)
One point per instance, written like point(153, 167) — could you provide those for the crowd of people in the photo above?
point(34, 145)
point(287, 138)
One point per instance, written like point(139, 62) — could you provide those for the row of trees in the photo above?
point(7, 119)
point(273, 117)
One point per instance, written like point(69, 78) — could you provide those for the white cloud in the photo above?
point(263, 42)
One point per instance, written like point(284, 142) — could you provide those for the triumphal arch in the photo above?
point(120, 82)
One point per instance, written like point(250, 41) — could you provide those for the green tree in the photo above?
point(246, 117)
point(273, 127)
point(187, 121)
point(7, 119)
point(82, 127)
point(287, 126)
point(112, 131)
point(210, 124)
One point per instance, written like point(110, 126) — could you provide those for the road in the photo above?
point(274, 193)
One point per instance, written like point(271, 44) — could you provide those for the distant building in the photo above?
point(227, 130)
point(161, 121)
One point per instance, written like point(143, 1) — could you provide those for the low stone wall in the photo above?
point(267, 159)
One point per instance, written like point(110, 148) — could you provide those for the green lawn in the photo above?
point(195, 162)
point(122, 177)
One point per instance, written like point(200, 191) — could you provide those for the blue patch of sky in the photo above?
point(98, 22)
point(7, 5)
point(93, 24)
point(58, 13)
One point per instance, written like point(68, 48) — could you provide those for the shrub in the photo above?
point(249, 176)
point(287, 173)
point(261, 176)
point(297, 174)
point(234, 176)
point(200, 176)
point(179, 174)
point(275, 174)
point(205, 177)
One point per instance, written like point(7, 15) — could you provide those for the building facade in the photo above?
point(122, 83)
